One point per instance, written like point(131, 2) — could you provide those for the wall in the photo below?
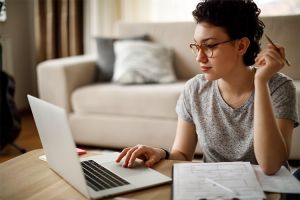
point(18, 32)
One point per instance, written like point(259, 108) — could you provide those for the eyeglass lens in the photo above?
point(208, 52)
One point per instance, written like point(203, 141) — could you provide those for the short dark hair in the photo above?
point(239, 18)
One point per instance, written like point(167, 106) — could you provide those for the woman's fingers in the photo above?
point(269, 61)
point(270, 57)
point(151, 161)
point(278, 49)
point(148, 154)
point(140, 151)
point(128, 156)
point(122, 154)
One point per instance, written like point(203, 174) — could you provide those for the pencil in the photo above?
point(221, 186)
point(278, 50)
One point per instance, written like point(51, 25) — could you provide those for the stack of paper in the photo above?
point(282, 182)
point(227, 180)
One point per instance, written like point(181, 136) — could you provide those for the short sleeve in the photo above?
point(284, 99)
point(183, 106)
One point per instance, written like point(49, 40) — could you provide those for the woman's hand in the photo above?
point(148, 154)
point(268, 62)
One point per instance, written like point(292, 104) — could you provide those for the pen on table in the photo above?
point(277, 49)
point(221, 186)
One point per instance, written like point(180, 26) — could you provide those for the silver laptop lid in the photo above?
point(58, 144)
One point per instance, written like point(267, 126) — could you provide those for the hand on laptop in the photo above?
point(148, 154)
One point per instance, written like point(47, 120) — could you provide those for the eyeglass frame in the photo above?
point(207, 46)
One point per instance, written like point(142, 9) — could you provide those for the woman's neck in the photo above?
point(238, 81)
point(237, 87)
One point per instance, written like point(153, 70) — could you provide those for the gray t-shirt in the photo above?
point(226, 133)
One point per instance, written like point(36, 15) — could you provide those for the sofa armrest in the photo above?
point(57, 78)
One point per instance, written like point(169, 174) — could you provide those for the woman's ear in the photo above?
point(243, 45)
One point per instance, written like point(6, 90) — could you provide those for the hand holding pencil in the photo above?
point(270, 61)
point(277, 49)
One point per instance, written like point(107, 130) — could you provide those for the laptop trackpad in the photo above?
point(137, 169)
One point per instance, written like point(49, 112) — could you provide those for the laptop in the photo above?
point(95, 177)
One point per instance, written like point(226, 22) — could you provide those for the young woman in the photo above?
point(240, 108)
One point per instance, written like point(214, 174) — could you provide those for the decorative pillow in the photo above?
point(106, 56)
point(142, 62)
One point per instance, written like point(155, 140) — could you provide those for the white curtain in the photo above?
point(100, 17)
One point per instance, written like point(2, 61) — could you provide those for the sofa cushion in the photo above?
point(106, 55)
point(142, 62)
point(151, 100)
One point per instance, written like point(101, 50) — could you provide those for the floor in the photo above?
point(28, 138)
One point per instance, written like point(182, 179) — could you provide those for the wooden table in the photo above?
point(27, 177)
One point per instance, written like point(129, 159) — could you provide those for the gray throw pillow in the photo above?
point(139, 62)
point(106, 55)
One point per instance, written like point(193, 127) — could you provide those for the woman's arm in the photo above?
point(272, 136)
point(183, 148)
point(185, 141)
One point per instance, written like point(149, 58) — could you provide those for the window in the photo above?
point(178, 10)
point(278, 7)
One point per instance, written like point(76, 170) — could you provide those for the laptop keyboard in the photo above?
point(100, 178)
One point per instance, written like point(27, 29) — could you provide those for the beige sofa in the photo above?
point(116, 116)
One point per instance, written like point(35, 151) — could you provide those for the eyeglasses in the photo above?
point(207, 49)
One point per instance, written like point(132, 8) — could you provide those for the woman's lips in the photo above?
point(205, 68)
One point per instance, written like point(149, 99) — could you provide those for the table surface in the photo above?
point(28, 177)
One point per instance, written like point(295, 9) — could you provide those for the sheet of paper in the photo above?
point(78, 150)
point(190, 181)
point(282, 182)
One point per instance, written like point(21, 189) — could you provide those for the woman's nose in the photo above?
point(201, 57)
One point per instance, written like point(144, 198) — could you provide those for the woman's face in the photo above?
point(225, 56)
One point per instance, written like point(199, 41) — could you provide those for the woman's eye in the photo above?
point(209, 46)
